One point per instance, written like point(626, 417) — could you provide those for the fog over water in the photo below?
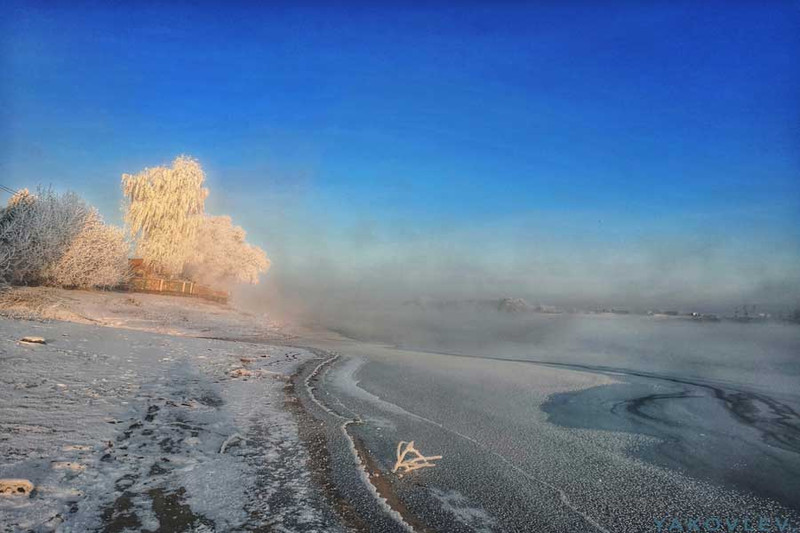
point(719, 398)
point(763, 355)
point(438, 290)
point(375, 266)
point(690, 396)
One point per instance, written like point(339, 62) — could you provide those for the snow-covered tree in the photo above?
point(22, 196)
point(164, 216)
point(13, 233)
point(97, 257)
point(35, 230)
point(57, 239)
point(163, 210)
point(221, 257)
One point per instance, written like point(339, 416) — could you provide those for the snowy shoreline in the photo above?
point(151, 413)
point(150, 424)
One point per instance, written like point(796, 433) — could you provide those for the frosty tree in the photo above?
point(163, 210)
point(21, 197)
point(34, 232)
point(57, 239)
point(96, 257)
point(221, 256)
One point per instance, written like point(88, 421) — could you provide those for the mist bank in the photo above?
point(441, 290)
point(330, 294)
point(557, 261)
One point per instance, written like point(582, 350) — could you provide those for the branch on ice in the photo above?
point(404, 466)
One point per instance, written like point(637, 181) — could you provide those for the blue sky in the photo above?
point(610, 149)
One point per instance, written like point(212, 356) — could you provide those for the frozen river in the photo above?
point(582, 423)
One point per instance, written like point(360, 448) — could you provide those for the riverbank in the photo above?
point(155, 413)
point(136, 416)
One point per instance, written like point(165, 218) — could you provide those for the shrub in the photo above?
point(97, 257)
point(221, 257)
point(49, 238)
point(35, 231)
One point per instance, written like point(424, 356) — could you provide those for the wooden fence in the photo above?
point(177, 287)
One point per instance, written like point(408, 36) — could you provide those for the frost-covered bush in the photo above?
point(35, 230)
point(38, 233)
point(221, 257)
point(163, 210)
point(97, 257)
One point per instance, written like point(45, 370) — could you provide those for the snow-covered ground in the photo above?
point(154, 413)
point(145, 426)
point(173, 315)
